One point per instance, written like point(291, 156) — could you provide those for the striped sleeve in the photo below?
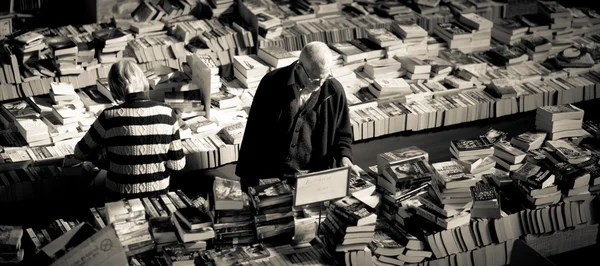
point(93, 140)
point(175, 156)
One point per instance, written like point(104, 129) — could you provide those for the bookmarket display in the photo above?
point(404, 65)
point(469, 210)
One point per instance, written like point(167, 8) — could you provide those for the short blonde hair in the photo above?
point(126, 77)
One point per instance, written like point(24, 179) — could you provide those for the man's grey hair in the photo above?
point(318, 57)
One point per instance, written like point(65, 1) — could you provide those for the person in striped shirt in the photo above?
point(139, 138)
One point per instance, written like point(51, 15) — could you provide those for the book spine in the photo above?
point(161, 211)
point(150, 210)
point(184, 198)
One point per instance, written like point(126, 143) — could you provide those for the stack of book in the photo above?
point(560, 121)
point(388, 68)
point(381, 88)
point(129, 220)
point(249, 70)
point(558, 17)
point(110, 44)
point(416, 69)
point(481, 31)
point(449, 195)
point(471, 149)
point(86, 55)
point(414, 39)
point(205, 72)
point(65, 55)
point(194, 227)
point(536, 183)
point(276, 56)
point(30, 42)
point(269, 26)
point(273, 204)
point(486, 202)
point(233, 217)
point(508, 157)
point(349, 226)
point(509, 31)
point(393, 245)
point(529, 140)
point(10, 244)
point(480, 166)
point(397, 188)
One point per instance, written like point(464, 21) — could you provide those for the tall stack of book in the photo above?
point(416, 69)
point(65, 55)
point(249, 70)
point(536, 184)
point(110, 44)
point(558, 16)
point(274, 216)
point(560, 121)
point(574, 184)
point(269, 26)
point(233, 217)
point(129, 219)
point(194, 227)
point(10, 244)
point(386, 39)
point(486, 202)
point(30, 43)
point(482, 31)
point(206, 72)
point(449, 196)
point(68, 109)
point(27, 122)
point(396, 180)
point(349, 226)
point(509, 31)
point(86, 55)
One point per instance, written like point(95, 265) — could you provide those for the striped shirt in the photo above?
point(142, 145)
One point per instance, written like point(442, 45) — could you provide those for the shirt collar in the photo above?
point(136, 97)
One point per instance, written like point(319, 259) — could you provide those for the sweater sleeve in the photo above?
point(92, 142)
point(175, 156)
point(342, 146)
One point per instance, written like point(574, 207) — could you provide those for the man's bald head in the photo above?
point(317, 58)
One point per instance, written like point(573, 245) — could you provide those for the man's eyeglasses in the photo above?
point(313, 80)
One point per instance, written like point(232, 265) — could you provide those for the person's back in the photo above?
point(140, 141)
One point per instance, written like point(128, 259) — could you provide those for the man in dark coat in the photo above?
point(298, 121)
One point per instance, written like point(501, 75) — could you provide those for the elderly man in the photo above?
point(298, 121)
point(140, 138)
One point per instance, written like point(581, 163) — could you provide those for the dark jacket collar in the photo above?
point(136, 97)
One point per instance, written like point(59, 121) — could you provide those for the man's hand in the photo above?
point(347, 162)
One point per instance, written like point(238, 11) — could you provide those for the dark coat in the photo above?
point(261, 153)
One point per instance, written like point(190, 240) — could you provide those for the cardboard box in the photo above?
point(84, 246)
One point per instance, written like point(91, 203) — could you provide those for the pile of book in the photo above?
point(273, 200)
point(560, 121)
point(129, 220)
point(249, 70)
point(10, 244)
point(110, 44)
point(233, 216)
point(65, 53)
point(486, 202)
point(349, 226)
point(205, 73)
